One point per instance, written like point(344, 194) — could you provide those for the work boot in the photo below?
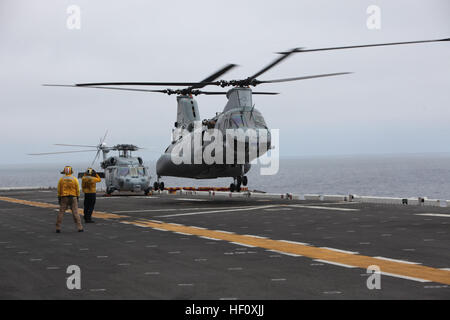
point(58, 231)
point(90, 221)
point(81, 230)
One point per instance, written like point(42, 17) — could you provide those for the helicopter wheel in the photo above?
point(238, 187)
point(147, 191)
point(232, 187)
point(161, 186)
point(244, 181)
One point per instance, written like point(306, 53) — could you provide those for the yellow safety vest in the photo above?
point(88, 183)
point(68, 186)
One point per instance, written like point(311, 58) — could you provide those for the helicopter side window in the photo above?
point(141, 171)
point(124, 171)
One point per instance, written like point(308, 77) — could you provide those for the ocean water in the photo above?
point(387, 175)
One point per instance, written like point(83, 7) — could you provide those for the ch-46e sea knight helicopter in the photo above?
point(238, 113)
point(122, 172)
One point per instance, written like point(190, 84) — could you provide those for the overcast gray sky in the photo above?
point(397, 100)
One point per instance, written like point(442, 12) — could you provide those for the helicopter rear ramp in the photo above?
point(198, 246)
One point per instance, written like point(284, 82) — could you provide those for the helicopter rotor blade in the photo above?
point(104, 137)
point(299, 50)
point(74, 145)
point(46, 153)
point(302, 78)
point(223, 93)
point(110, 88)
point(95, 158)
point(284, 55)
point(164, 84)
point(213, 77)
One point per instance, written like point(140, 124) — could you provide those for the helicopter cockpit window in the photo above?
point(258, 119)
point(123, 171)
point(141, 171)
point(237, 120)
point(133, 172)
point(251, 119)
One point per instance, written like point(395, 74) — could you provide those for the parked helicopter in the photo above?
point(239, 113)
point(122, 173)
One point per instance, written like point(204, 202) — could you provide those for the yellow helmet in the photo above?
point(67, 170)
point(89, 171)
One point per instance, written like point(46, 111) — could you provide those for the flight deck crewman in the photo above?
point(89, 181)
point(68, 194)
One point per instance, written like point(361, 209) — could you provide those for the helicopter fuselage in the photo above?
point(223, 146)
point(126, 174)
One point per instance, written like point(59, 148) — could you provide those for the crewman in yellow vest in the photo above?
point(68, 194)
point(88, 183)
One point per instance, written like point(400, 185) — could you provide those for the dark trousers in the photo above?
point(89, 204)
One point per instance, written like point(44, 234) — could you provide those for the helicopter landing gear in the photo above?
point(158, 185)
point(238, 181)
point(147, 191)
point(109, 191)
point(236, 185)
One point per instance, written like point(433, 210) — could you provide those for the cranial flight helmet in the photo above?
point(67, 170)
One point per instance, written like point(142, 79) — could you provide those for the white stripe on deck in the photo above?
point(322, 208)
point(285, 253)
point(434, 215)
point(396, 260)
point(335, 263)
point(174, 209)
point(246, 208)
point(339, 250)
point(403, 277)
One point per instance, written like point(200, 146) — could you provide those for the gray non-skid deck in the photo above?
point(120, 258)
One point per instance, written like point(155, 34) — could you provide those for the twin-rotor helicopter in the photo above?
point(238, 113)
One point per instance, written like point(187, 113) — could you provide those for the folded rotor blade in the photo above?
point(302, 78)
point(45, 153)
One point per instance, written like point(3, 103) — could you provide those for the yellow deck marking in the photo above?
point(95, 214)
point(356, 260)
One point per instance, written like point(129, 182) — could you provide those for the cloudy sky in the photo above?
point(396, 101)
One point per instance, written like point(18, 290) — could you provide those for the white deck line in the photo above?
point(242, 244)
point(246, 208)
point(335, 263)
point(433, 215)
point(286, 253)
point(396, 260)
point(321, 207)
point(339, 250)
point(404, 277)
point(296, 242)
